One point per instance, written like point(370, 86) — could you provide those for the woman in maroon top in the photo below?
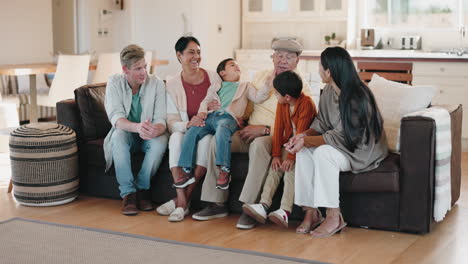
point(185, 92)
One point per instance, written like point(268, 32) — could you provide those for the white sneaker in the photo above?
point(166, 208)
point(279, 217)
point(178, 214)
point(256, 211)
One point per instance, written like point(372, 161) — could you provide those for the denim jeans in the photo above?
point(123, 145)
point(219, 123)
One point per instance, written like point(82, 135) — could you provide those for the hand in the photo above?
point(251, 132)
point(213, 105)
point(196, 121)
point(276, 163)
point(148, 130)
point(202, 115)
point(296, 146)
point(143, 130)
point(293, 140)
point(287, 165)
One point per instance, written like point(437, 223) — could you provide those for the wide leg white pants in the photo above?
point(317, 176)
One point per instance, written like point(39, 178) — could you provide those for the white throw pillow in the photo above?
point(395, 100)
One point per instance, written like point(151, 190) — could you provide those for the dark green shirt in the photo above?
point(135, 110)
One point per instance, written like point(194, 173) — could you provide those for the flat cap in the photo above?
point(290, 45)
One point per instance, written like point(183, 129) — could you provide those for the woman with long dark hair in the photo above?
point(347, 135)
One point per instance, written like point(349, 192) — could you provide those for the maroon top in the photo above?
point(195, 94)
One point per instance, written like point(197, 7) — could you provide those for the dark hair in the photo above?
point(360, 115)
point(222, 65)
point(288, 82)
point(182, 43)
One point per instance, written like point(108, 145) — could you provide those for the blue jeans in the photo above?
point(219, 123)
point(123, 145)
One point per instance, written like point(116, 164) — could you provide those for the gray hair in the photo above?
point(131, 54)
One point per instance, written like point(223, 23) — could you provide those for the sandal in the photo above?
point(305, 228)
point(341, 225)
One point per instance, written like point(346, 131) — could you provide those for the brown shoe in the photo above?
point(144, 200)
point(129, 204)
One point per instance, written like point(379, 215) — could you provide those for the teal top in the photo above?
point(135, 110)
point(227, 92)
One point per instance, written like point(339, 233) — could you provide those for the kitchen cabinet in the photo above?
point(294, 10)
point(451, 80)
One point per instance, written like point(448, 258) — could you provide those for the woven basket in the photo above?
point(44, 164)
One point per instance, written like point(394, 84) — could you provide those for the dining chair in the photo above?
point(72, 72)
point(108, 64)
point(149, 60)
point(393, 71)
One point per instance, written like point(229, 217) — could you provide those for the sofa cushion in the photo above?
point(385, 178)
point(397, 99)
point(90, 100)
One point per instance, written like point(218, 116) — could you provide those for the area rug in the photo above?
point(32, 241)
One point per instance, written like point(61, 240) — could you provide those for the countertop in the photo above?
point(383, 54)
point(391, 55)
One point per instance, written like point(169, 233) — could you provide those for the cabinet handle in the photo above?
point(442, 69)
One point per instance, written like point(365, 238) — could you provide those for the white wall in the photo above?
point(90, 23)
point(19, 34)
point(157, 24)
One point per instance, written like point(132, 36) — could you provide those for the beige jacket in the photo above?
point(177, 117)
point(244, 92)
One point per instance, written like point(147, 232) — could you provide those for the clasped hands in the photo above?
point(147, 130)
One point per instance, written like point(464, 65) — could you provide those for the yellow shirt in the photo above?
point(264, 113)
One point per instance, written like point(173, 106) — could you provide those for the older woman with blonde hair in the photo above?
point(185, 92)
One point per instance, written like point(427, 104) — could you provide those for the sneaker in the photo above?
point(212, 211)
point(178, 214)
point(223, 180)
point(256, 211)
point(279, 217)
point(129, 206)
point(166, 208)
point(245, 222)
point(185, 180)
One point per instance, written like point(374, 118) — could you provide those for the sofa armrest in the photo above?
point(417, 161)
point(456, 118)
point(68, 114)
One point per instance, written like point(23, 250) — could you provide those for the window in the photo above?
point(415, 13)
point(279, 6)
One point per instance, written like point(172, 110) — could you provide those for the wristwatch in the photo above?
point(266, 132)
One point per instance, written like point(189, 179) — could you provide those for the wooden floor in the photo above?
point(448, 243)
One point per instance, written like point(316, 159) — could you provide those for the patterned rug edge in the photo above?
point(175, 242)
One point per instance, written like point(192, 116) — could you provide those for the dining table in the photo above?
point(34, 69)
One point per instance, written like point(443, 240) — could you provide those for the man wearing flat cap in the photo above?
point(254, 138)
